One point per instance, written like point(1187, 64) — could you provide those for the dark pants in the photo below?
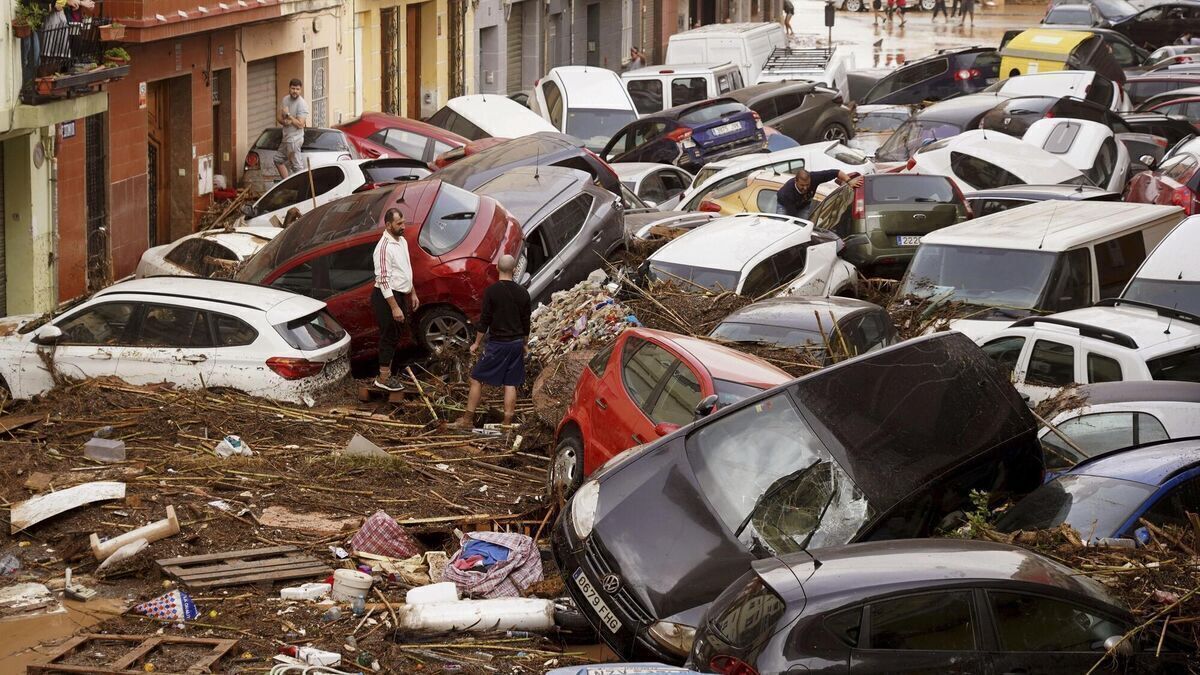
point(954, 9)
point(939, 6)
point(390, 329)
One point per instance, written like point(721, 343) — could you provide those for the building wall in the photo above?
point(435, 54)
point(29, 223)
point(72, 213)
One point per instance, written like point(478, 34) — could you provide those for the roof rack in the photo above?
point(789, 59)
point(1167, 312)
point(1084, 329)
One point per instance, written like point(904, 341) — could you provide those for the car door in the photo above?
point(1006, 353)
point(1052, 365)
point(233, 357)
point(570, 256)
point(1145, 26)
point(343, 278)
point(936, 632)
point(1039, 635)
point(92, 339)
point(173, 344)
point(675, 181)
point(623, 414)
point(620, 144)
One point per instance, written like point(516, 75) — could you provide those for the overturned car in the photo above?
point(884, 446)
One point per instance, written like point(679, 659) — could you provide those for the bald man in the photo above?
point(505, 323)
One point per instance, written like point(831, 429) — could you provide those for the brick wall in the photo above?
point(72, 214)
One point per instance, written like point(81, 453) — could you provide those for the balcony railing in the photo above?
point(65, 57)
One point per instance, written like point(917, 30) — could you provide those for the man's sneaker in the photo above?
point(392, 383)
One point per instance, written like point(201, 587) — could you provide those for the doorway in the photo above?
point(169, 159)
point(96, 189)
point(389, 43)
point(158, 127)
point(593, 34)
point(222, 112)
point(412, 26)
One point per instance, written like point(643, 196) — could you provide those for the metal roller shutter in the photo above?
point(261, 100)
point(516, 24)
point(3, 269)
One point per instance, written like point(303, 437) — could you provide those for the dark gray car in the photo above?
point(545, 148)
point(571, 226)
point(843, 326)
point(804, 111)
point(995, 200)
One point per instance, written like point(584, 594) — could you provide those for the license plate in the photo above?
point(726, 129)
point(596, 602)
point(908, 240)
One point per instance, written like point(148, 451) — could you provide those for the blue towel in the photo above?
point(492, 553)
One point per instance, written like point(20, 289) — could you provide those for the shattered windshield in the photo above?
point(993, 277)
point(773, 483)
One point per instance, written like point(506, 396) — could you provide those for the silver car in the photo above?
point(320, 147)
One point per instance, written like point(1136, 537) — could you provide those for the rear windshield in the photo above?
point(899, 189)
point(315, 140)
point(748, 618)
point(1070, 16)
point(595, 127)
point(449, 220)
point(712, 112)
point(1094, 506)
point(1181, 295)
point(781, 336)
point(880, 121)
point(385, 173)
point(308, 333)
point(911, 136)
point(1179, 367)
point(702, 276)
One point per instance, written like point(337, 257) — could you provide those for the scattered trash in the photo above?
point(339, 552)
point(312, 656)
point(26, 598)
point(577, 318)
point(479, 616)
point(213, 570)
point(77, 591)
point(359, 446)
point(495, 564)
point(9, 564)
point(33, 511)
point(333, 614)
point(104, 450)
point(309, 591)
point(171, 606)
point(232, 445)
point(382, 535)
point(350, 584)
point(444, 591)
point(220, 504)
point(437, 561)
point(153, 532)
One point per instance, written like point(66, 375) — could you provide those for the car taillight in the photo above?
point(757, 120)
point(679, 135)
point(911, 163)
point(965, 74)
point(860, 202)
point(251, 160)
point(290, 368)
point(1183, 198)
point(604, 164)
point(710, 207)
point(731, 665)
point(961, 199)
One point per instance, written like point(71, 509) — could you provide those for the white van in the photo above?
point(1048, 257)
point(586, 102)
point(656, 88)
point(1170, 276)
point(746, 44)
point(488, 116)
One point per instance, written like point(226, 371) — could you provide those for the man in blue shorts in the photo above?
point(505, 322)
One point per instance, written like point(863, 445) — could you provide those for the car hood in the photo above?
point(980, 329)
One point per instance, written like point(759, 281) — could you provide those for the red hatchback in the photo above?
point(1175, 182)
point(647, 384)
point(375, 133)
point(454, 237)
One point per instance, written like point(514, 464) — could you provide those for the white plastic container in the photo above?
point(479, 616)
point(318, 657)
point(350, 584)
point(445, 591)
point(311, 591)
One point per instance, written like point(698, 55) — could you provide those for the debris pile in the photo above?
point(585, 316)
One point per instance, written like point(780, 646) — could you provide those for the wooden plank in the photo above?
point(144, 645)
point(249, 553)
point(10, 423)
point(205, 664)
point(136, 653)
point(33, 511)
point(216, 573)
point(315, 570)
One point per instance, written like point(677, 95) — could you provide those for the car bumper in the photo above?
point(693, 159)
point(295, 391)
point(587, 558)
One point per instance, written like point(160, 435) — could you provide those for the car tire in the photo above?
point(927, 5)
point(566, 469)
point(853, 5)
point(835, 132)
point(441, 326)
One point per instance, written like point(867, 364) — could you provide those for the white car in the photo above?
point(874, 124)
point(192, 333)
point(1085, 84)
point(488, 116)
point(587, 102)
point(1114, 341)
point(1089, 146)
point(320, 147)
point(1170, 277)
point(756, 255)
point(330, 182)
point(979, 159)
point(812, 156)
point(659, 185)
point(206, 253)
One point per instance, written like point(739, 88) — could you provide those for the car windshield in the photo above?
point(681, 274)
point(448, 221)
point(595, 127)
point(878, 122)
point(1070, 16)
point(772, 482)
point(1114, 8)
point(1181, 295)
point(315, 140)
point(911, 136)
point(1094, 506)
point(993, 277)
point(909, 189)
point(781, 336)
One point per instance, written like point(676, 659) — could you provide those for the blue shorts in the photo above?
point(502, 364)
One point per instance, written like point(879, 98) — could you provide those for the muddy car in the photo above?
point(884, 446)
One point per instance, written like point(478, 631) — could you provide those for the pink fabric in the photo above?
point(505, 579)
point(382, 535)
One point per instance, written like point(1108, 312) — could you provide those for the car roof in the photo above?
point(388, 121)
point(1069, 78)
point(747, 93)
point(1007, 152)
point(1154, 333)
point(960, 109)
point(1171, 259)
point(595, 83)
point(870, 568)
point(244, 241)
point(795, 312)
point(721, 362)
point(1040, 192)
point(1049, 226)
point(480, 108)
point(677, 69)
point(729, 243)
point(524, 191)
point(545, 145)
point(279, 305)
point(719, 28)
point(635, 170)
point(1167, 75)
point(1134, 391)
point(1152, 464)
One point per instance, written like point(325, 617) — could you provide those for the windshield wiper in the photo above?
point(820, 518)
point(771, 492)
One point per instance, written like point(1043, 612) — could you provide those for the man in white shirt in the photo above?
point(394, 299)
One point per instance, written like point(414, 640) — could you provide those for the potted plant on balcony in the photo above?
point(116, 56)
point(28, 18)
point(112, 32)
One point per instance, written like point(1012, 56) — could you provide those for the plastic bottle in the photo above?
point(332, 615)
point(358, 606)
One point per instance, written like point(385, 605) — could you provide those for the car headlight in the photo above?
point(674, 637)
point(583, 508)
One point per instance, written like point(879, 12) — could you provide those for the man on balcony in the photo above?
point(293, 116)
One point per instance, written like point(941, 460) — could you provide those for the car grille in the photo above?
point(623, 600)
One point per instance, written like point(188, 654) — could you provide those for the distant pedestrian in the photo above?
point(954, 9)
point(876, 6)
point(795, 198)
point(504, 321)
point(902, 7)
point(293, 117)
point(968, 7)
point(890, 11)
point(637, 59)
point(939, 6)
point(394, 300)
point(788, 10)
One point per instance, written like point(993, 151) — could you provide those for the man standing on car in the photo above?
point(394, 299)
point(293, 116)
point(795, 197)
point(505, 322)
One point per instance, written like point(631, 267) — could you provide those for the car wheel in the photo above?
point(927, 5)
point(854, 5)
point(835, 132)
point(566, 471)
point(443, 326)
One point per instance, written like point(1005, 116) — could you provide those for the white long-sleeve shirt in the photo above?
point(393, 270)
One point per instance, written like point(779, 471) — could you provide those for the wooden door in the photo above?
point(158, 159)
point(412, 27)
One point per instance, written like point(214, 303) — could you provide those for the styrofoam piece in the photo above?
point(479, 616)
point(350, 584)
point(445, 591)
point(310, 591)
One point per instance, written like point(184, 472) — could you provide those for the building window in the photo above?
point(320, 87)
point(626, 29)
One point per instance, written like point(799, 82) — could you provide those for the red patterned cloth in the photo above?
point(382, 535)
point(505, 579)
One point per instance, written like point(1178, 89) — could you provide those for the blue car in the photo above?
point(690, 136)
point(1104, 496)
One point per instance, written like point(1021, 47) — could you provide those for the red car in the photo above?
point(377, 133)
point(1187, 107)
point(451, 156)
point(1175, 182)
point(455, 238)
point(647, 384)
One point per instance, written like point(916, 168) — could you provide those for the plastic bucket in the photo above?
point(350, 584)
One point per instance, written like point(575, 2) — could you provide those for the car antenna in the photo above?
point(1171, 318)
point(537, 164)
point(1048, 222)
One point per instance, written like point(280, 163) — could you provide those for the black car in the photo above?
point(1014, 116)
point(882, 446)
point(824, 327)
point(545, 148)
point(1148, 85)
point(949, 72)
point(940, 120)
point(804, 111)
point(995, 200)
point(1161, 24)
point(1172, 128)
point(924, 606)
point(1081, 14)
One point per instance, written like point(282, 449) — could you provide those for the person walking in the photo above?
point(394, 300)
point(968, 7)
point(953, 10)
point(293, 117)
point(504, 321)
point(795, 197)
point(788, 10)
point(902, 8)
point(940, 6)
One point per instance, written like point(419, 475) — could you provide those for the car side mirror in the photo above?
point(651, 203)
point(856, 240)
point(666, 429)
point(1118, 645)
point(47, 335)
point(706, 406)
point(1147, 161)
point(248, 210)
